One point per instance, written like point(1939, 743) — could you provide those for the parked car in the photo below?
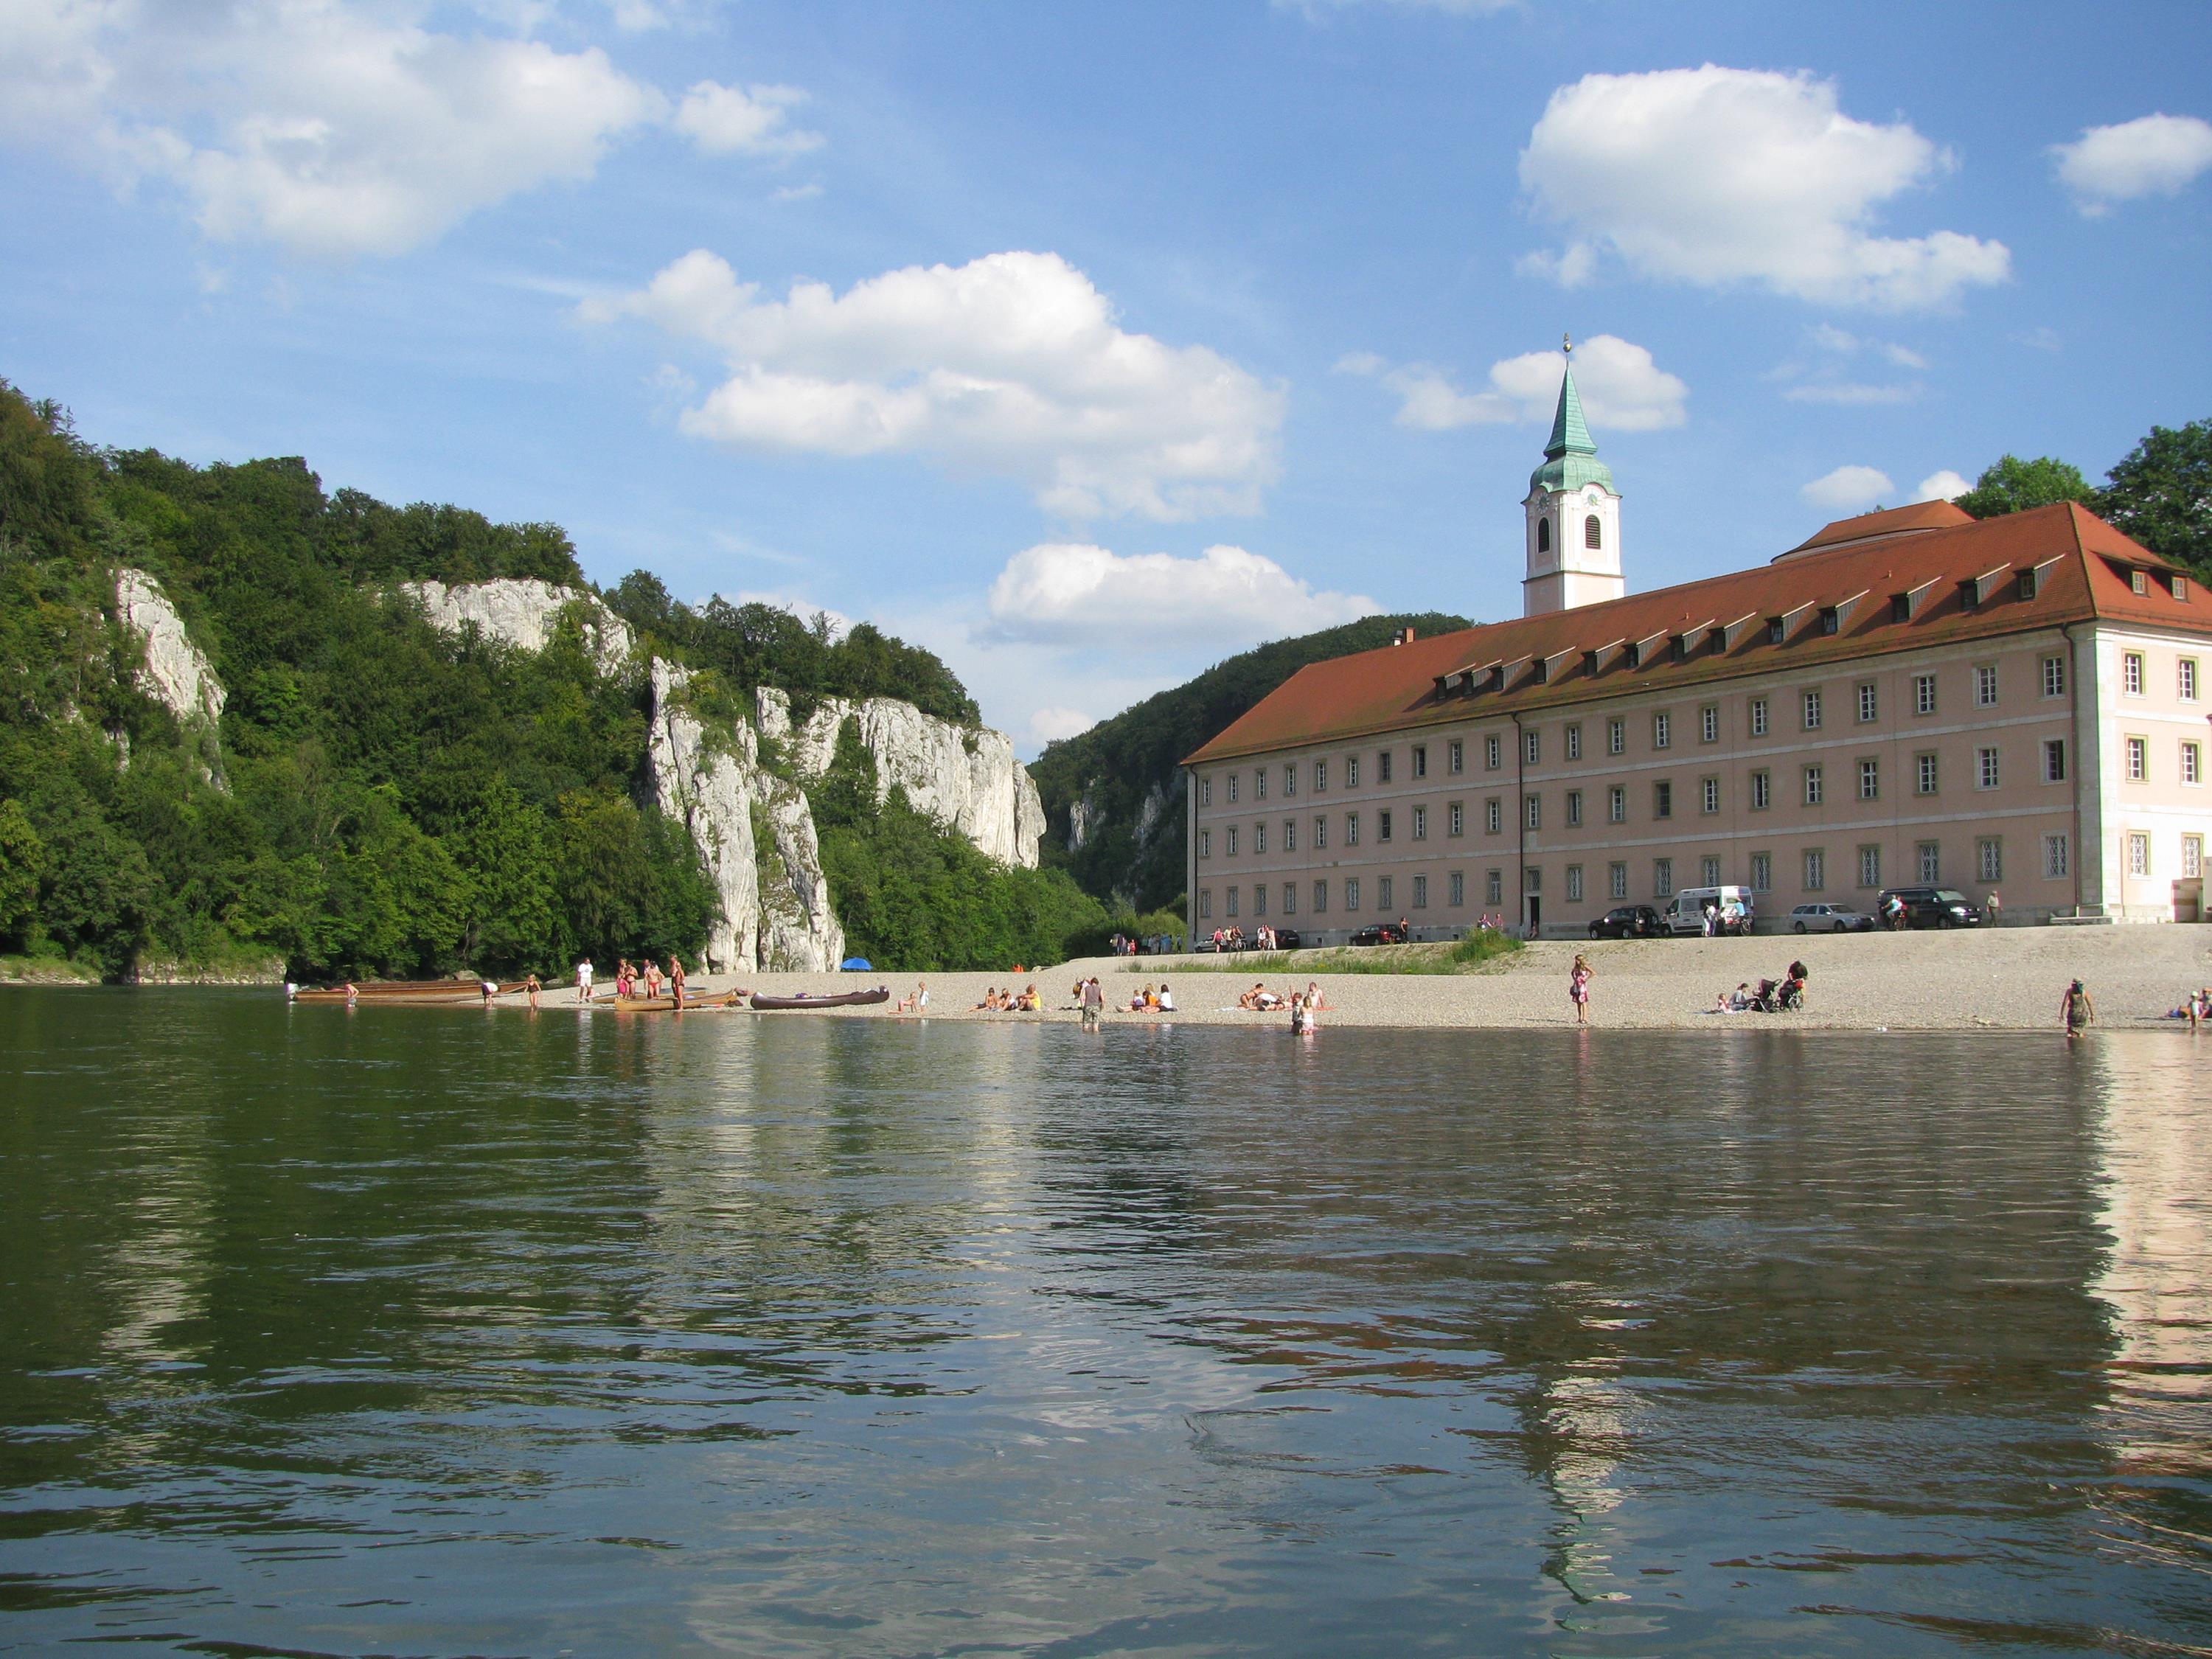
point(1935, 907)
point(1384, 932)
point(1286, 938)
point(1829, 919)
point(1629, 921)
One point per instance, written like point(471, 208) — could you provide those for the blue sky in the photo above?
point(1088, 345)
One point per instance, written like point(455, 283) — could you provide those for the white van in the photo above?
point(1731, 906)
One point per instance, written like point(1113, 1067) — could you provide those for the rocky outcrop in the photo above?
point(775, 898)
point(526, 614)
point(177, 675)
point(1084, 817)
point(967, 779)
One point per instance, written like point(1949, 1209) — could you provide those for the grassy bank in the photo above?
point(47, 970)
point(1478, 953)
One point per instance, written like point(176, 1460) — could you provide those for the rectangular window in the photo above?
point(1532, 807)
point(1662, 801)
point(1616, 805)
point(1383, 767)
point(1616, 880)
point(2138, 853)
point(1382, 825)
point(1289, 834)
point(2054, 857)
point(1985, 686)
point(1206, 791)
point(1421, 760)
point(1232, 902)
point(2188, 679)
point(1494, 816)
point(1574, 884)
point(1352, 828)
point(1662, 730)
point(1927, 862)
point(1383, 899)
point(1574, 809)
point(1321, 897)
point(1459, 889)
point(2054, 760)
point(1455, 819)
point(1986, 767)
point(1988, 858)
point(1869, 866)
point(1759, 717)
point(2054, 677)
point(1351, 772)
point(1869, 780)
point(1708, 794)
point(1812, 711)
point(1494, 887)
point(1232, 789)
point(1923, 775)
point(1923, 693)
point(1709, 871)
point(2192, 856)
point(2131, 673)
point(2138, 759)
point(1350, 894)
point(2192, 763)
point(1290, 780)
point(1812, 786)
point(1816, 869)
point(1420, 824)
point(1532, 746)
point(1868, 707)
point(1762, 872)
point(1206, 844)
point(1762, 791)
point(1205, 904)
point(1289, 898)
point(1709, 723)
point(1321, 834)
point(1455, 757)
point(1231, 833)
point(1492, 753)
point(1259, 838)
point(1321, 777)
point(1616, 736)
point(1259, 898)
point(1420, 892)
point(1574, 742)
point(1532, 880)
point(1260, 783)
point(1662, 878)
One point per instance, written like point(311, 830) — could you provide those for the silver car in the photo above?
point(1829, 919)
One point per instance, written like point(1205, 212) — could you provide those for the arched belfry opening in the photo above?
point(1572, 480)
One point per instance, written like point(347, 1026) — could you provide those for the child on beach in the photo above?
point(1578, 984)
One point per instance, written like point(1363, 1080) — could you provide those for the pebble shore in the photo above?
point(2004, 979)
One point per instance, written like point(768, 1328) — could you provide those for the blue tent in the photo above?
point(856, 965)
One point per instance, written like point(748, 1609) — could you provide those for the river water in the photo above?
point(436, 1332)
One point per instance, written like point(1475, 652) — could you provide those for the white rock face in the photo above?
point(775, 898)
point(967, 780)
point(524, 613)
point(1083, 817)
point(176, 675)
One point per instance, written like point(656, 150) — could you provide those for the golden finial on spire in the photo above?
point(1567, 344)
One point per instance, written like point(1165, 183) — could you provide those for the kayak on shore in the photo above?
point(766, 1003)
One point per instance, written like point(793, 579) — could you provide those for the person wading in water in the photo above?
point(2078, 1010)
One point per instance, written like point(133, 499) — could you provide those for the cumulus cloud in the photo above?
point(1013, 364)
point(1716, 176)
point(1074, 593)
point(1944, 486)
point(744, 120)
point(1621, 388)
point(1054, 725)
point(2152, 155)
point(1848, 489)
point(337, 129)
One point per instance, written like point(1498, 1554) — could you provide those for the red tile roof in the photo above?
point(1889, 521)
point(2079, 560)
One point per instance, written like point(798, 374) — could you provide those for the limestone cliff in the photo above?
point(526, 614)
point(177, 675)
point(967, 779)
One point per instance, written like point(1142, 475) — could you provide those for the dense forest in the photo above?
point(382, 798)
point(1135, 754)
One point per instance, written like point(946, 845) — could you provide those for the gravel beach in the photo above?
point(2008, 978)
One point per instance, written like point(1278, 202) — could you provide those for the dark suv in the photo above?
point(1629, 921)
point(1383, 933)
point(1933, 907)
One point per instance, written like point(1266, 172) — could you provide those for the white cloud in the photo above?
point(744, 120)
point(1847, 488)
point(1053, 724)
point(2152, 155)
point(1012, 364)
point(1823, 382)
point(806, 193)
point(1944, 486)
point(1621, 388)
point(1715, 176)
point(1075, 594)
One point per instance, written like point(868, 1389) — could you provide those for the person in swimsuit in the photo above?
point(533, 986)
point(1578, 984)
point(2078, 1010)
point(676, 980)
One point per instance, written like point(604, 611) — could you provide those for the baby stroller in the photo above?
point(1792, 994)
point(1763, 999)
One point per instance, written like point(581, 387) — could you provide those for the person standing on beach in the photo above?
point(533, 985)
point(1578, 984)
point(676, 979)
point(584, 980)
point(2078, 1010)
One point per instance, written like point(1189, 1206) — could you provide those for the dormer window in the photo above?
point(1543, 535)
point(1778, 629)
point(2139, 581)
point(1593, 532)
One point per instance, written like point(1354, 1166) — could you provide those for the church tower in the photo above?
point(1574, 516)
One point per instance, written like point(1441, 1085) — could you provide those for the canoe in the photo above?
point(842, 999)
point(665, 1005)
point(434, 990)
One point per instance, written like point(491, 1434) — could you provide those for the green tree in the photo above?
point(2161, 493)
point(22, 860)
point(2013, 485)
point(509, 849)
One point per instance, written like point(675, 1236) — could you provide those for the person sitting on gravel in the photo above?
point(1167, 999)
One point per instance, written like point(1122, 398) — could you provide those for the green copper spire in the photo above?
point(1571, 459)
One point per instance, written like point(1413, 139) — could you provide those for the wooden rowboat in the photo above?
point(665, 1005)
point(841, 1000)
point(429, 990)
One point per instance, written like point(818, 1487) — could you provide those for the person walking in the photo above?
point(1995, 907)
point(1094, 1003)
point(2078, 1009)
point(1578, 984)
point(676, 980)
